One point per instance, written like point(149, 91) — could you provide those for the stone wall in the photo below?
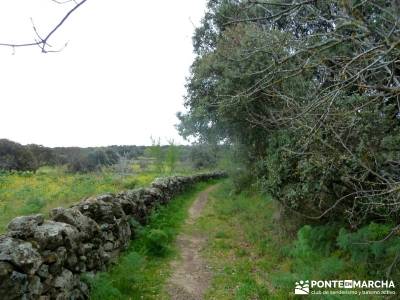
point(44, 259)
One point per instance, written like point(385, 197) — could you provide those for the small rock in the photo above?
point(14, 286)
point(72, 216)
point(55, 269)
point(108, 246)
point(50, 235)
point(49, 257)
point(20, 254)
point(5, 269)
point(35, 287)
point(65, 280)
point(22, 227)
point(43, 271)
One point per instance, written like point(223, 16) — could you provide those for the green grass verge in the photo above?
point(253, 258)
point(29, 193)
point(237, 245)
point(142, 271)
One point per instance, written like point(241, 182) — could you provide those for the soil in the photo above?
point(191, 276)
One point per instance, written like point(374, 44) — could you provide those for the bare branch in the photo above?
point(43, 43)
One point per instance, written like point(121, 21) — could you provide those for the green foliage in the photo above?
point(102, 287)
point(26, 192)
point(106, 286)
point(131, 184)
point(172, 156)
point(156, 241)
point(248, 247)
point(242, 179)
point(129, 263)
point(239, 246)
point(124, 160)
point(250, 289)
point(314, 112)
point(33, 205)
point(204, 156)
point(371, 244)
point(316, 253)
point(319, 238)
point(157, 154)
point(14, 156)
point(313, 253)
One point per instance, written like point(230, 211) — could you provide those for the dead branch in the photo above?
point(43, 42)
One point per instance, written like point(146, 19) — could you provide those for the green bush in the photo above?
point(373, 244)
point(128, 267)
point(121, 281)
point(242, 179)
point(33, 205)
point(102, 287)
point(131, 184)
point(156, 241)
point(135, 225)
point(314, 253)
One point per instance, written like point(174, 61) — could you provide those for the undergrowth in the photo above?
point(253, 258)
point(23, 193)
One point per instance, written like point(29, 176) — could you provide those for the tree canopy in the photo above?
point(309, 90)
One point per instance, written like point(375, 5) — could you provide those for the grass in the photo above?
point(28, 193)
point(143, 270)
point(237, 248)
point(253, 258)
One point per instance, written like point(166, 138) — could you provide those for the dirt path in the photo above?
point(190, 277)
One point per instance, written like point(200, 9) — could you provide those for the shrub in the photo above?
point(156, 241)
point(102, 287)
point(135, 226)
point(314, 253)
point(373, 244)
point(242, 179)
point(127, 272)
point(130, 184)
point(33, 205)
point(14, 156)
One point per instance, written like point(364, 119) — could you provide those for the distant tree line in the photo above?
point(14, 156)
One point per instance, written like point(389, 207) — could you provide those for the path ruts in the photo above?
point(190, 276)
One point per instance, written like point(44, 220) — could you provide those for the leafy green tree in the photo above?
point(203, 156)
point(14, 156)
point(309, 92)
point(172, 156)
point(156, 152)
point(311, 101)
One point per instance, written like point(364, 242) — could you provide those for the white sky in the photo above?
point(120, 79)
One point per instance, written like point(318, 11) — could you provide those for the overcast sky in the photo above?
point(120, 79)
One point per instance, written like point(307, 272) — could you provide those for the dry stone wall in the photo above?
point(45, 258)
